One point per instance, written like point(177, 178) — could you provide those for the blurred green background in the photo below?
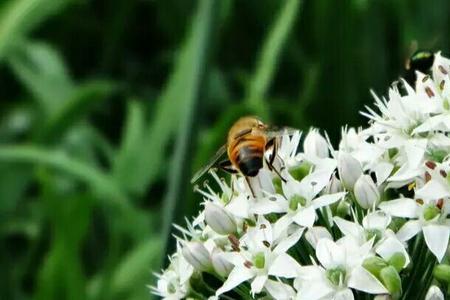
point(107, 108)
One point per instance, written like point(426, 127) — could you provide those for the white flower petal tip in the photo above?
point(434, 293)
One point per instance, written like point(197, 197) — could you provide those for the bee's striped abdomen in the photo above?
point(248, 154)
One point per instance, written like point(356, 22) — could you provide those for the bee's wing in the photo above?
point(273, 132)
point(210, 164)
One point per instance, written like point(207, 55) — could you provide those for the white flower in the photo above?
point(173, 283)
point(299, 203)
point(429, 217)
point(259, 257)
point(374, 227)
point(340, 269)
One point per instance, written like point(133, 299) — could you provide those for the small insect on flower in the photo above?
point(421, 61)
point(247, 142)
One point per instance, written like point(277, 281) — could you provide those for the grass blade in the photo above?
point(269, 56)
point(100, 183)
point(128, 159)
point(18, 17)
point(195, 50)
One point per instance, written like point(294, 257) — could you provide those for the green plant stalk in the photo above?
point(269, 57)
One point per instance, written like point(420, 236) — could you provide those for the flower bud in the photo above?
point(391, 280)
point(349, 170)
point(222, 266)
point(442, 273)
point(334, 186)
point(374, 265)
point(315, 145)
point(218, 219)
point(434, 293)
point(197, 255)
point(366, 192)
point(397, 260)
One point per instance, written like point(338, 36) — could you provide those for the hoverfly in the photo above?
point(247, 142)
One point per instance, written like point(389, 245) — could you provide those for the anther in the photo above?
point(430, 164)
point(429, 92)
point(443, 70)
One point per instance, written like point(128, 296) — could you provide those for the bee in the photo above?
point(247, 143)
point(422, 61)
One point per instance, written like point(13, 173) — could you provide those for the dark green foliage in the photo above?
point(108, 107)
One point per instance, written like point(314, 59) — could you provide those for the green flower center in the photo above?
point(259, 260)
point(336, 276)
point(430, 212)
point(371, 233)
point(301, 171)
point(295, 201)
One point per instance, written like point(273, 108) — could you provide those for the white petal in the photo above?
point(279, 290)
point(436, 237)
point(350, 228)
point(329, 254)
point(316, 181)
point(415, 150)
point(390, 246)
point(376, 220)
point(409, 230)
point(305, 216)
point(360, 279)
point(327, 199)
point(434, 293)
point(314, 234)
point(382, 171)
point(284, 266)
point(264, 206)
point(286, 243)
point(346, 294)
point(432, 190)
point(239, 206)
point(403, 207)
point(258, 283)
point(236, 277)
point(281, 225)
point(315, 290)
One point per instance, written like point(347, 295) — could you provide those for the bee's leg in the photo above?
point(227, 166)
point(250, 186)
point(273, 143)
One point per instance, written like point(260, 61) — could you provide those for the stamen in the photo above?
point(427, 177)
point(430, 164)
point(442, 69)
point(429, 92)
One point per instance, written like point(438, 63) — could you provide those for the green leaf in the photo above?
point(269, 56)
point(80, 103)
point(176, 101)
point(100, 182)
point(132, 274)
point(128, 159)
point(43, 72)
point(18, 17)
point(195, 49)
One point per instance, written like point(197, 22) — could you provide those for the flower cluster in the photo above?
point(366, 220)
